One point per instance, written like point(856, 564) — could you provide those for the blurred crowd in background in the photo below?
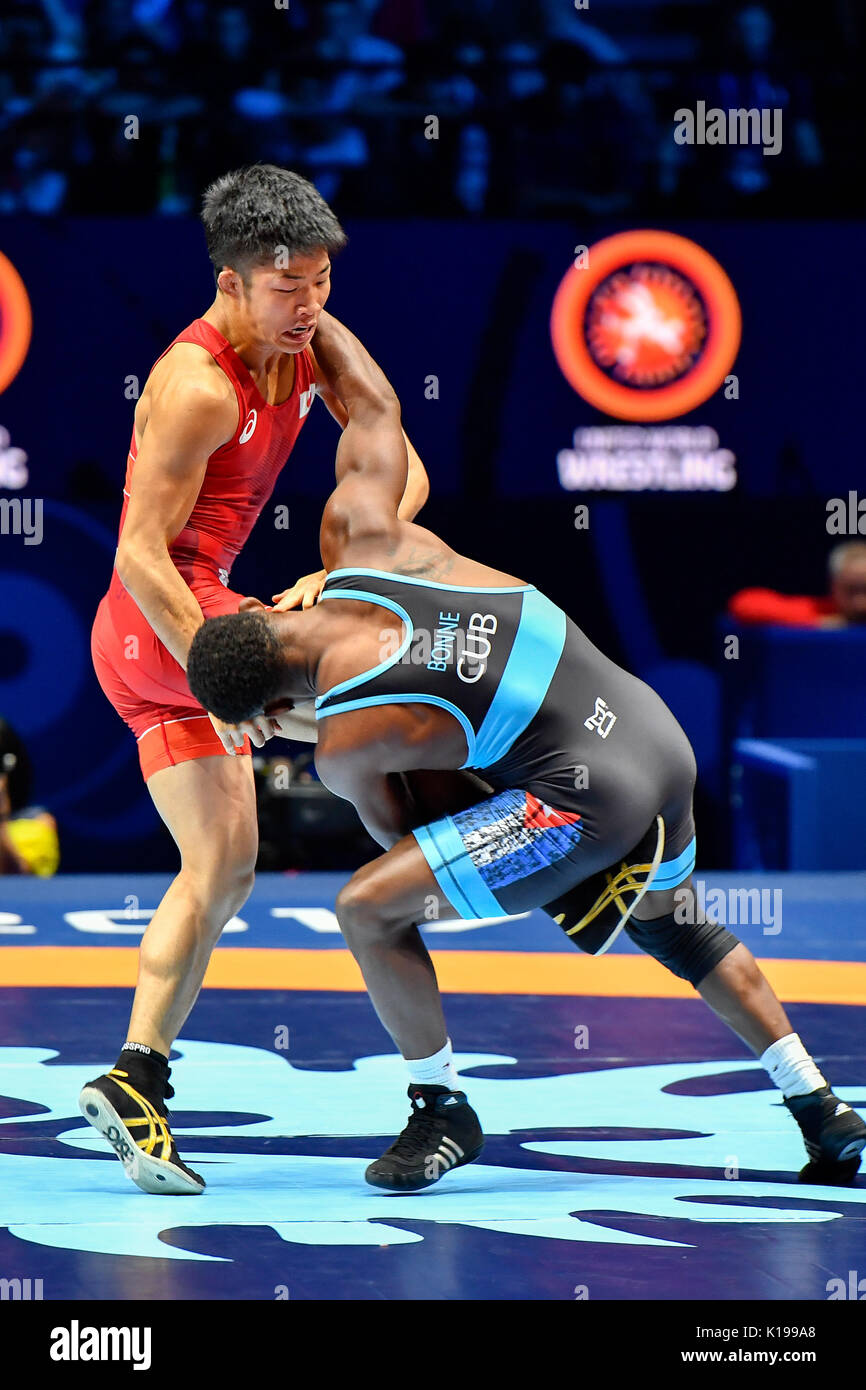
point(543, 109)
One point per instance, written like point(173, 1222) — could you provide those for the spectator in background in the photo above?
point(34, 180)
point(347, 72)
point(844, 606)
point(544, 108)
point(28, 835)
point(747, 64)
point(67, 28)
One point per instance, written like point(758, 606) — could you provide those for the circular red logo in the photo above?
point(15, 322)
point(649, 328)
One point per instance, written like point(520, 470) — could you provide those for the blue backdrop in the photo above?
point(468, 304)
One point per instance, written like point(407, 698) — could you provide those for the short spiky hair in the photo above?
point(236, 666)
point(253, 214)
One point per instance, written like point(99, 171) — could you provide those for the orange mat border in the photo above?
point(459, 972)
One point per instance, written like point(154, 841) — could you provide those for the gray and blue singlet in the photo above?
point(582, 755)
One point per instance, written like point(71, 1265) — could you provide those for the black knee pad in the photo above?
point(690, 950)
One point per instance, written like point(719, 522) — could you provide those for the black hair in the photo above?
point(15, 766)
point(236, 666)
point(253, 214)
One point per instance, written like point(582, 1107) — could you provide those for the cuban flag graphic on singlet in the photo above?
point(539, 816)
point(525, 836)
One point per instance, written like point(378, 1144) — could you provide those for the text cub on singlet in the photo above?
point(472, 662)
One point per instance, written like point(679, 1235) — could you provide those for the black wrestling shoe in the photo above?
point(834, 1136)
point(136, 1127)
point(443, 1133)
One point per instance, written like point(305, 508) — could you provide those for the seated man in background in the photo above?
point(28, 834)
point(844, 606)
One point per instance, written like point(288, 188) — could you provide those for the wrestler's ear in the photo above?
point(251, 605)
point(279, 707)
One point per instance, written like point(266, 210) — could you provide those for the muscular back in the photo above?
point(399, 736)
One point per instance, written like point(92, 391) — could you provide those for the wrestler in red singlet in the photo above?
point(140, 677)
point(209, 448)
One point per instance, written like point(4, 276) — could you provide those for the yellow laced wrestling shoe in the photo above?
point(137, 1129)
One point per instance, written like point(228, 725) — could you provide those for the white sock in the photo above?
point(437, 1070)
point(791, 1068)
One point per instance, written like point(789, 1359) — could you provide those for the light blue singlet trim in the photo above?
point(383, 665)
point(530, 667)
point(452, 867)
point(672, 873)
point(430, 583)
point(365, 701)
point(408, 699)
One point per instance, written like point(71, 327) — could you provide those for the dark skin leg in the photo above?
point(736, 989)
point(377, 911)
point(740, 994)
point(380, 904)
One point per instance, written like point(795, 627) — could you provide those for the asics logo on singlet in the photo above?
point(473, 662)
point(249, 427)
point(305, 401)
point(602, 720)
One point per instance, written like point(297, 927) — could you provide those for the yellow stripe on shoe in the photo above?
point(157, 1128)
point(610, 910)
point(151, 1162)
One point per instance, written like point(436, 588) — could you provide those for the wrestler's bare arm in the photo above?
point(360, 519)
point(305, 591)
point(192, 413)
point(382, 801)
point(417, 488)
